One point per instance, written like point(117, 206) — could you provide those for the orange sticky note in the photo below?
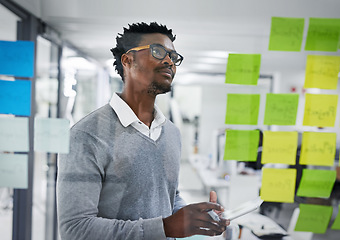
point(279, 147)
point(318, 148)
point(278, 185)
point(320, 110)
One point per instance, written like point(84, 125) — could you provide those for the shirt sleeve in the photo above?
point(179, 202)
point(79, 186)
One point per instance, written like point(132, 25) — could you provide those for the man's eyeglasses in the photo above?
point(159, 52)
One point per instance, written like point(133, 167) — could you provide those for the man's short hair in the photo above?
point(131, 37)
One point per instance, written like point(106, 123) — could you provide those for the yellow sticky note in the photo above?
point(279, 147)
point(318, 148)
point(320, 110)
point(278, 185)
point(322, 72)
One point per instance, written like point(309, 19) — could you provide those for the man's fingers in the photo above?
point(213, 197)
point(206, 206)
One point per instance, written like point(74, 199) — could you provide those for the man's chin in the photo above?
point(156, 88)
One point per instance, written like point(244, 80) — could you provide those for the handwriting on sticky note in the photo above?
point(323, 34)
point(241, 145)
point(322, 72)
point(13, 170)
point(14, 134)
point(14, 54)
point(242, 108)
point(316, 183)
point(313, 218)
point(286, 34)
point(278, 185)
point(279, 147)
point(281, 109)
point(243, 68)
point(320, 110)
point(318, 148)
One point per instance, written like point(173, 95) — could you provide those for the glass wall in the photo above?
point(8, 32)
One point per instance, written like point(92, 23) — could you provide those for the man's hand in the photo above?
point(194, 219)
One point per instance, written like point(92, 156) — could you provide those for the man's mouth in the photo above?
point(168, 72)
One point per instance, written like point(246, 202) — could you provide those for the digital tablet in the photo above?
point(243, 209)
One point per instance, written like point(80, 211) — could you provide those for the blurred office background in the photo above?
point(74, 76)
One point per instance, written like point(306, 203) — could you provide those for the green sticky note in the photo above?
point(313, 218)
point(281, 109)
point(243, 69)
point(278, 185)
point(323, 34)
point(242, 108)
point(316, 183)
point(241, 145)
point(286, 34)
point(336, 223)
point(14, 170)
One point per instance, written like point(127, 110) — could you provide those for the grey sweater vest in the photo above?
point(116, 183)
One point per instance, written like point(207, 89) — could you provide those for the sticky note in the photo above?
point(14, 134)
point(318, 148)
point(286, 34)
point(278, 185)
point(242, 108)
point(322, 72)
point(316, 183)
point(241, 145)
point(323, 34)
point(15, 97)
point(279, 147)
point(13, 170)
point(336, 223)
point(313, 218)
point(243, 69)
point(320, 110)
point(51, 135)
point(281, 109)
point(17, 58)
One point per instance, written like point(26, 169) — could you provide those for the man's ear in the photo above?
point(126, 60)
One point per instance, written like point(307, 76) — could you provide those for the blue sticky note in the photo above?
point(17, 58)
point(15, 97)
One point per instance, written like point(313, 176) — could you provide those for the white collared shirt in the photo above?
point(128, 117)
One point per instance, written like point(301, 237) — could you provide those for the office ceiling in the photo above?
point(206, 30)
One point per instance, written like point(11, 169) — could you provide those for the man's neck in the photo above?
point(141, 104)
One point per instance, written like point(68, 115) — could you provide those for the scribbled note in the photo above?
point(320, 110)
point(316, 183)
point(286, 34)
point(318, 148)
point(336, 223)
point(281, 109)
point(279, 147)
point(241, 145)
point(323, 34)
point(17, 58)
point(242, 108)
point(15, 97)
point(51, 135)
point(313, 218)
point(322, 72)
point(13, 170)
point(243, 69)
point(278, 185)
point(14, 134)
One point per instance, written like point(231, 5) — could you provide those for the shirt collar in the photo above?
point(127, 116)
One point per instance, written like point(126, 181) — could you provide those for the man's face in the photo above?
point(151, 74)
